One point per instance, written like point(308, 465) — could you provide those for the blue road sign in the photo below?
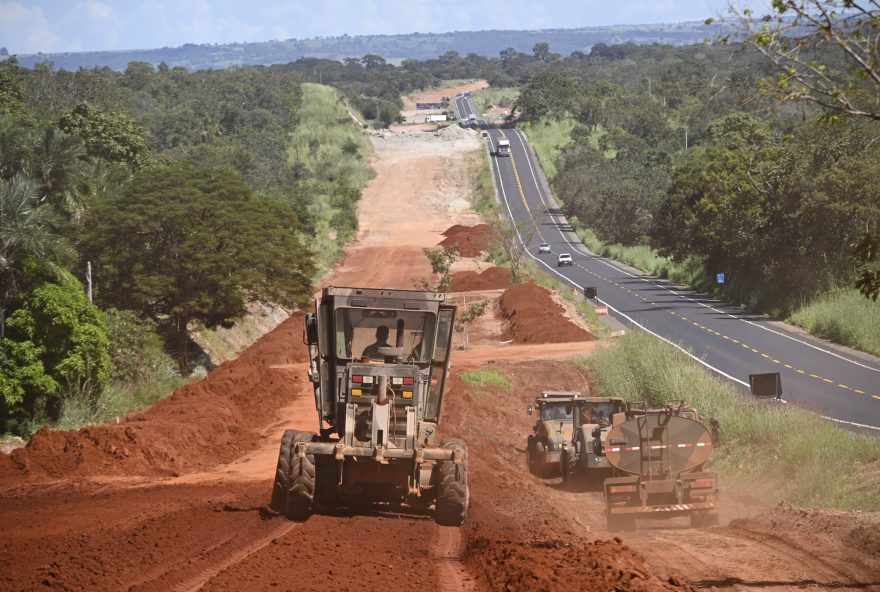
point(719, 278)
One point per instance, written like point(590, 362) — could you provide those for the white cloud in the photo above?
point(26, 30)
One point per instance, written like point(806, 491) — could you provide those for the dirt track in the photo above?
point(175, 498)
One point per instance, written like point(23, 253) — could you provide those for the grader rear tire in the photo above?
point(294, 489)
point(452, 489)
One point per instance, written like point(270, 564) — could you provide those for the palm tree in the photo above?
point(15, 147)
point(61, 166)
point(26, 231)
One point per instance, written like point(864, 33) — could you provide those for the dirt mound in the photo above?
point(535, 318)
point(494, 278)
point(814, 525)
point(201, 424)
point(472, 240)
point(556, 564)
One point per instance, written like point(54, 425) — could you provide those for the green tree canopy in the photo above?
point(190, 244)
point(56, 342)
point(108, 135)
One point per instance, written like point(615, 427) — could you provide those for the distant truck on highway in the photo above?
point(502, 148)
point(472, 120)
point(435, 118)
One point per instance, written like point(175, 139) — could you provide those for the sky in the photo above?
point(31, 26)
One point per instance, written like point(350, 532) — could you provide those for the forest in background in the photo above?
point(394, 48)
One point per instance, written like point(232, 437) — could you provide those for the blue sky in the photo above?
point(30, 26)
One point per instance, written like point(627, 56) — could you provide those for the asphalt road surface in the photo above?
point(841, 384)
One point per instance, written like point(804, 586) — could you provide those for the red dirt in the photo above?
point(535, 318)
point(494, 278)
point(472, 240)
point(201, 424)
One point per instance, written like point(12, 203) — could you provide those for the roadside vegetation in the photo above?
point(549, 138)
point(332, 155)
point(770, 451)
point(480, 378)
point(504, 97)
point(140, 205)
point(844, 317)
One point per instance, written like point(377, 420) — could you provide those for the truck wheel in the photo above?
point(617, 523)
point(279, 487)
point(531, 454)
point(294, 489)
point(565, 468)
point(540, 465)
point(452, 489)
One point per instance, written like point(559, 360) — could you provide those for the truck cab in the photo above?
point(502, 148)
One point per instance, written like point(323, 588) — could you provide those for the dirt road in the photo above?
point(176, 498)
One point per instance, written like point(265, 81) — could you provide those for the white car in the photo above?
point(544, 248)
point(564, 259)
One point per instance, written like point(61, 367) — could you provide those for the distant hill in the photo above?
point(393, 48)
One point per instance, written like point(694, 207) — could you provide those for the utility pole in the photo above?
point(685, 139)
point(649, 87)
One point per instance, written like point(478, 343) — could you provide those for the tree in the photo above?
point(868, 251)
point(109, 135)
point(548, 92)
point(187, 244)
point(27, 231)
point(442, 260)
point(804, 38)
point(58, 327)
point(61, 168)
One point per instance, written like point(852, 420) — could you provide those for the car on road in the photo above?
point(544, 248)
point(564, 259)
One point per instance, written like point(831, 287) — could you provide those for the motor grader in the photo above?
point(378, 404)
point(658, 456)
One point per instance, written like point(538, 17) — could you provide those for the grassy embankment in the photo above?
point(333, 148)
point(843, 316)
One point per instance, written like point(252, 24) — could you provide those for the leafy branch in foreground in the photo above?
point(796, 37)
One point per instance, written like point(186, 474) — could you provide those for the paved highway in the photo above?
point(840, 384)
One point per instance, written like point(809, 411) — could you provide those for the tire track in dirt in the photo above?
point(196, 582)
point(447, 550)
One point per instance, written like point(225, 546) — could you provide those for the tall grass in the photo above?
point(772, 450)
point(689, 272)
point(548, 137)
point(332, 150)
point(486, 378)
point(844, 317)
point(117, 399)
